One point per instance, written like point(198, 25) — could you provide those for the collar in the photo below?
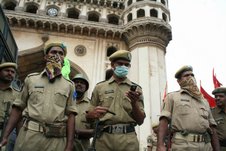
point(126, 81)
point(43, 73)
point(8, 88)
point(84, 99)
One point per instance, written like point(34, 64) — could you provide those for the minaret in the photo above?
point(92, 31)
point(147, 33)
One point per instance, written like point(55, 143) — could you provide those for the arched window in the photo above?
point(121, 6)
point(115, 4)
point(113, 19)
point(164, 17)
point(93, 16)
point(9, 6)
point(73, 13)
point(163, 2)
point(129, 17)
point(111, 50)
point(140, 13)
point(31, 8)
point(129, 2)
point(153, 13)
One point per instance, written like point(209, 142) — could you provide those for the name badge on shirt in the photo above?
point(109, 91)
point(39, 86)
point(185, 100)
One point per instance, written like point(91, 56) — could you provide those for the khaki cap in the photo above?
point(51, 44)
point(8, 64)
point(81, 77)
point(182, 70)
point(121, 54)
point(219, 90)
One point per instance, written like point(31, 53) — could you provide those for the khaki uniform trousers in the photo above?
point(29, 140)
point(222, 148)
point(117, 142)
point(184, 145)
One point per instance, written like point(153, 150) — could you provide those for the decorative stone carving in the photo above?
point(80, 50)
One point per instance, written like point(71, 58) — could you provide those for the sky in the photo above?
point(198, 39)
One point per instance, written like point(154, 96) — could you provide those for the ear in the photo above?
point(112, 65)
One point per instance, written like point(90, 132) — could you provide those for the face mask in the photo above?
point(121, 71)
point(190, 85)
point(53, 66)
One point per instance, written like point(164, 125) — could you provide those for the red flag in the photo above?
point(215, 81)
point(209, 98)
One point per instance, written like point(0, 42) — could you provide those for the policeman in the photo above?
point(83, 130)
point(47, 97)
point(192, 124)
point(219, 114)
point(7, 95)
point(152, 139)
point(115, 96)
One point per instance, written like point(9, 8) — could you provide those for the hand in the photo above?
point(98, 112)
point(3, 142)
point(133, 96)
point(161, 148)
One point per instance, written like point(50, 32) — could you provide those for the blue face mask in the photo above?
point(121, 71)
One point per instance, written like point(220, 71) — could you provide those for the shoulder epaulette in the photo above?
point(68, 80)
point(136, 84)
point(33, 74)
point(17, 89)
point(100, 82)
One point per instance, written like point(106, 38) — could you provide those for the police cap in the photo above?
point(81, 77)
point(121, 54)
point(219, 90)
point(51, 44)
point(8, 64)
point(182, 70)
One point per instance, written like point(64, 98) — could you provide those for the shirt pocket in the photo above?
point(61, 98)
point(36, 95)
point(106, 100)
point(183, 109)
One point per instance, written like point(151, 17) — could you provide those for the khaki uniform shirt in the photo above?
point(220, 117)
point(187, 113)
point(7, 95)
point(80, 119)
point(112, 95)
point(45, 101)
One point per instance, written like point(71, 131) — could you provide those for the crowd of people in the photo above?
point(53, 113)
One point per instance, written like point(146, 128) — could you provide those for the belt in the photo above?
point(190, 137)
point(34, 126)
point(223, 143)
point(119, 128)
